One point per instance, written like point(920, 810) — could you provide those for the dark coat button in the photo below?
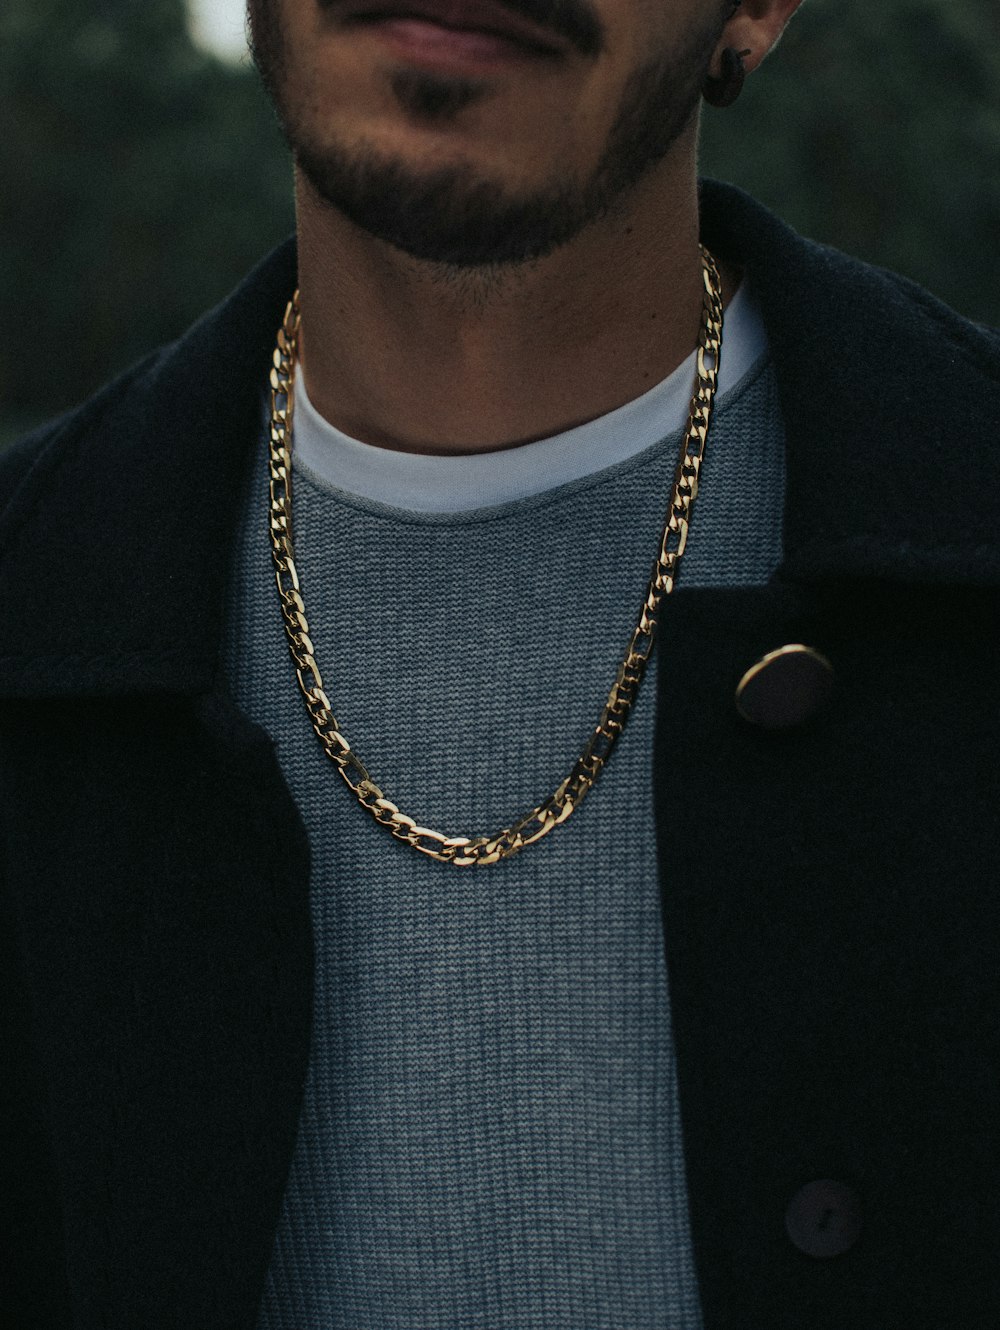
point(785, 687)
point(824, 1218)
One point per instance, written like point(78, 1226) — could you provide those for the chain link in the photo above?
point(467, 850)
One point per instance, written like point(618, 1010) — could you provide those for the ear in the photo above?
point(755, 26)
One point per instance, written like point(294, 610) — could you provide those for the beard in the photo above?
point(453, 215)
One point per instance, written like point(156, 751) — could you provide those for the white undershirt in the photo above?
point(420, 483)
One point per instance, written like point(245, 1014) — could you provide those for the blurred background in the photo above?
point(143, 172)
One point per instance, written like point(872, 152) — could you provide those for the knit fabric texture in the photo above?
point(490, 1137)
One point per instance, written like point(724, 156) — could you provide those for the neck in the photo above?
point(400, 355)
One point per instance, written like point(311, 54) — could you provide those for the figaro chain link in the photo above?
point(467, 850)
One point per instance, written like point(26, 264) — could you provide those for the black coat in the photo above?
point(830, 894)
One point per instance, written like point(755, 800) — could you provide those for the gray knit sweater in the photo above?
point(490, 1138)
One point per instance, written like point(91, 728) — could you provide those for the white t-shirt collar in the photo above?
point(419, 483)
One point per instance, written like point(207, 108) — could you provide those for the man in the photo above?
point(439, 1043)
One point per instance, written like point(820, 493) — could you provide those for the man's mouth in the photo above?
point(413, 18)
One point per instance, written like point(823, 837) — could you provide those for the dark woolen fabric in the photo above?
point(831, 924)
point(157, 908)
point(893, 399)
point(829, 897)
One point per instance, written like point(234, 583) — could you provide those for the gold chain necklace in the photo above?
point(464, 850)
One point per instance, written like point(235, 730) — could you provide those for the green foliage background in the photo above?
point(142, 178)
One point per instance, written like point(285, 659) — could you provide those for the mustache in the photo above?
point(571, 20)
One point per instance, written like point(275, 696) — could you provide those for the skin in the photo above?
point(490, 258)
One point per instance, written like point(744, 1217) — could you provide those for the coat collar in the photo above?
point(115, 550)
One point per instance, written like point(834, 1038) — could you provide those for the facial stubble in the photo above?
point(455, 216)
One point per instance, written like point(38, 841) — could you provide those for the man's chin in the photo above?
point(444, 216)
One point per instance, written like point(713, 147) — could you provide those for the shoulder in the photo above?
point(116, 520)
point(813, 290)
point(890, 403)
point(841, 311)
point(223, 351)
point(55, 439)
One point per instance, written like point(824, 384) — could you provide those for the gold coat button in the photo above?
point(785, 687)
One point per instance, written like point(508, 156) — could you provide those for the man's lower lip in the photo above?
point(429, 42)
